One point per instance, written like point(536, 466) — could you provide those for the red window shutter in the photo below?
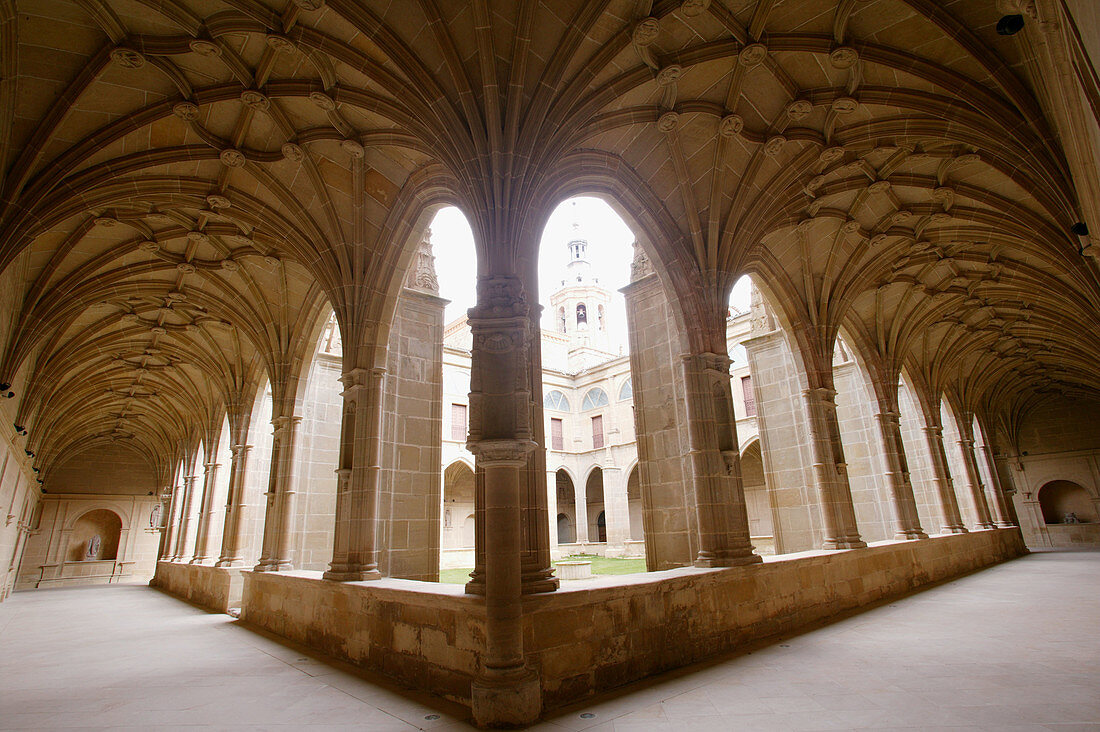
point(557, 442)
point(750, 399)
point(458, 422)
point(597, 432)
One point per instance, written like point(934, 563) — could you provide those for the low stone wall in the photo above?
point(583, 640)
point(215, 588)
point(1073, 534)
point(597, 634)
point(424, 634)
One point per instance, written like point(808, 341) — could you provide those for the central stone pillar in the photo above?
point(830, 471)
point(183, 539)
point(171, 528)
point(206, 514)
point(1000, 499)
point(355, 555)
point(974, 482)
point(721, 516)
point(897, 473)
point(278, 519)
point(941, 477)
point(232, 554)
point(615, 506)
point(505, 692)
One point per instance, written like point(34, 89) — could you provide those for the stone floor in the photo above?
point(1015, 647)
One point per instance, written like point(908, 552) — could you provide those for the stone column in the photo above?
point(206, 514)
point(974, 482)
point(941, 477)
point(279, 516)
point(537, 573)
point(830, 471)
point(183, 541)
point(355, 556)
point(615, 506)
point(168, 541)
point(552, 507)
point(505, 692)
point(232, 554)
point(715, 458)
point(1000, 503)
point(580, 505)
point(897, 474)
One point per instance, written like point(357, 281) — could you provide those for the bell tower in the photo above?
point(581, 307)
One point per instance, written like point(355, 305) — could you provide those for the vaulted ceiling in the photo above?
point(187, 184)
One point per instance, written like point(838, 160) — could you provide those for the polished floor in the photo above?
point(1015, 647)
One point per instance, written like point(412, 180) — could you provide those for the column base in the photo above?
point(1005, 525)
point(200, 560)
point(539, 580)
point(739, 559)
point(351, 575)
point(986, 525)
point(954, 530)
point(910, 535)
point(511, 698)
point(837, 544)
point(273, 567)
point(234, 562)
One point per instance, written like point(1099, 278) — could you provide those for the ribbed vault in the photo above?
point(186, 184)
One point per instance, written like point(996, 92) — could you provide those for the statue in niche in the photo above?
point(94, 545)
point(1071, 518)
point(154, 517)
point(422, 274)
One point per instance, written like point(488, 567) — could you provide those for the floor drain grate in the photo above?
point(588, 715)
point(431, 717)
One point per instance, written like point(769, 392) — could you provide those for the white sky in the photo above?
point(609, 251)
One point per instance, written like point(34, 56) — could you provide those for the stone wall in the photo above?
point(214, 588)
point(601, 633)
point(785, 443)
point(412, 435)
point(587, 640)
point(425, 635)
point(661, 425)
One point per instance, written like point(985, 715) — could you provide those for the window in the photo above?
point(557, 442)
point(582, 314)
point(750, 399)
point(594, 399)
point(556, 400)
point(597, 431)
point(626, 391)
point(458, 422)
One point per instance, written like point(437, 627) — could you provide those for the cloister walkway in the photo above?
point(1014, 647)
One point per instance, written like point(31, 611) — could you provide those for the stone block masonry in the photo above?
point(586, 639)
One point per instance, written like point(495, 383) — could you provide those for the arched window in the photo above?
point(556, 400)
point(561, 319)
point(582, 314)
point(600, 315)
point(626, 391)
point(594, 398)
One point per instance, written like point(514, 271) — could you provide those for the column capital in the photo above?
point(499, 297)
point(281, 423)
point(933, 430)
point(209, 466)
point(359, 378)
point(820, 394)
point(889, 416)
point(714, 365)
point(237, 450)
point(966, 443)
point(501, 453)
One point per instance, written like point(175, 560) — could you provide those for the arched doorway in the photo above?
point(593, 493)
point(458, 503)
point(567, 508)
point(1062, 501)
point(95, 536)
point(634, 505)
point(757, 503)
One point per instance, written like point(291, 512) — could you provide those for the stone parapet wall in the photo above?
point(214, 588)
point(601, 633)
point(584, 640)
point(425, 635)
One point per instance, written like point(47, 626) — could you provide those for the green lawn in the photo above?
point(600, 565)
